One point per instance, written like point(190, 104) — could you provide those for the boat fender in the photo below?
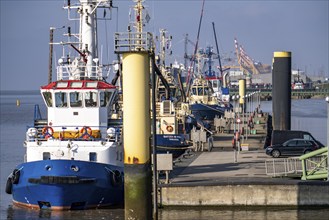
point(47, 132)
point(15, 176)
point(9, 185)
point(86, 132)
point(116, 178)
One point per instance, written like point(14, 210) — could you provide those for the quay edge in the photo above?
point(273, 193)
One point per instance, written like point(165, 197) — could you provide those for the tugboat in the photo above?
point(74, 161)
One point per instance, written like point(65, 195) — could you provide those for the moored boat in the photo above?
point(73, 160)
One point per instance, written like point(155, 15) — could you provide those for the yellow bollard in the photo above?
point(18, 102)
point(136, 135)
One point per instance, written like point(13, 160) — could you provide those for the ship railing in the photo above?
point(116, 136)
point(128, 42)
point(69, 72)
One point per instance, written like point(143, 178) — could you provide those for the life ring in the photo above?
point(9, 185)
point(47, 132)
point(15, 176)
point(169, 128)
point(86, 132)
point(116, 178)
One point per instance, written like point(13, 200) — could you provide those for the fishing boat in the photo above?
point(172, 133)
point(73, 160)
point(207, 96)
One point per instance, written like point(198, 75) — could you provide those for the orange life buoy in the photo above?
point(47, 132)
point(169, 128)
point(86, 132)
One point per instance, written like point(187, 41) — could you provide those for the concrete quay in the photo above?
point(215, 179)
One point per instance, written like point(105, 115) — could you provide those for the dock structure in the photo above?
point(215, 178)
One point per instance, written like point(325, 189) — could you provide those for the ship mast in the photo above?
point(88, 29)
point(139, 15)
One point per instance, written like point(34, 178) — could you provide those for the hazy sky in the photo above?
point(262, 27)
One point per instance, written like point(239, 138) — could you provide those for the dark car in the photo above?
point(293, 147)
point(281, 136)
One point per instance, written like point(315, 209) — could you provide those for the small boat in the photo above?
point(74, 159)
point(207, 97)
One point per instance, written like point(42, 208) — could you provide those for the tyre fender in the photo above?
point(15, 176)
point(9, 185)
point(116, 178)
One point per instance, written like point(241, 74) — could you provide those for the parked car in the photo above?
point(293, 147)
point(281, 136)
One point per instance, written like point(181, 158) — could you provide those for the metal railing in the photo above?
point(297, 167)
point(129, 41)
point(70, 72)
point(283, 167)
point(315, 164)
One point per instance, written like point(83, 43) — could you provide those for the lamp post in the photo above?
point(327, 99)
point(233, 99)
point(247, 115)
point(243, 114)
point(238, 118)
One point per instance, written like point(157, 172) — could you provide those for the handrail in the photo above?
point(315, 169)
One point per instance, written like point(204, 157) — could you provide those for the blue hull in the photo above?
point(68, 184)
point(208, 112)
point(175, 144)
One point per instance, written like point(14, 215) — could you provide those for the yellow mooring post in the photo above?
point(242, 93)
point(136, 135)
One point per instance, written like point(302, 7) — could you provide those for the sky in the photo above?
point(262, 27)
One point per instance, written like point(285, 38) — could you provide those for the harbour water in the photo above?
point(309, 115)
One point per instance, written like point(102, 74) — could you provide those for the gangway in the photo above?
point(311, 166)
point(284, 167)
point(315, 165)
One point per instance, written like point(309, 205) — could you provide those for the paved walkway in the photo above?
point(209, 166)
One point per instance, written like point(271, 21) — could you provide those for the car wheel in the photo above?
point(275, 153)
point(307, 151)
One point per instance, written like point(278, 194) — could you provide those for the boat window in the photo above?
point(194, 91)
point(48, 99)
point(200, 91)
point(62, 84)
point(75, 99)
point(92, 156)
point(215, 84)
point(76, 84)
point(105, 98)
point(46, 156)
point(205, 91)
point(60, 99)
point(91, 84)
point(91, 99)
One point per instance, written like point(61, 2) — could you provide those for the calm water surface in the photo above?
point(309, 115)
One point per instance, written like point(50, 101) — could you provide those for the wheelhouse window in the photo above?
point(91, 99)
point(60, 99)
point(75, 99)
point(105, 98)
point(48, 99)
point(194, 91)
